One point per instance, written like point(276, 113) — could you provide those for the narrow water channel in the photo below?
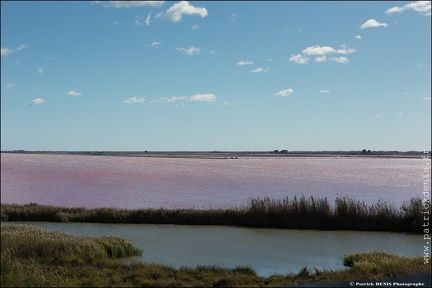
point(268, 251)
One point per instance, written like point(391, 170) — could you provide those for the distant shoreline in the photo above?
point(230, 155)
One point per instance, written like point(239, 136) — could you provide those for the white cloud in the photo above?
point(176, 11)
point(321, 59)
point(372, 23)
point(242, 62)
point(234, 16)
point(427, 98)
point(260, 70)
point(203, 97)
point(139, 20)
point(298, 58)
point(73, 93)
point(226, 103)
point(195, 27)
point(117, 23)
point(379, 115)
point(318, 50)
point(400, 114)
point(213, 52)
point(284, 93)
point(423, 7)
point(172, 99)
point(147, 21)
point(322, 50)
point(36, 101)
point(156, 44)
point(22, 47)
point(341, 59)
point(134, 100)
point(129, 4)
point(358, 37)
point(324, 91)
point(195, 98)
point(6, 51)
point(40, 70)
point(10, 85)
point(191, 51)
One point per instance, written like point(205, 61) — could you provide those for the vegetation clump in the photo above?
point(287, 213)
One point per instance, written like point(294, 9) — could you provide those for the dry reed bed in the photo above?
point(290, 213)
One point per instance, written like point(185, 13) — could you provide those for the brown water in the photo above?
point(136, 182)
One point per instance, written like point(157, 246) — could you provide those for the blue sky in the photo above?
point(226, 76)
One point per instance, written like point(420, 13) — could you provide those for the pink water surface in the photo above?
point(137, 182)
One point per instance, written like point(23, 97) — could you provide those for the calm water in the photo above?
point(268, 251)
point(134, 182)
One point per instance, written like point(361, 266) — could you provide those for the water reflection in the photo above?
point(268, 251)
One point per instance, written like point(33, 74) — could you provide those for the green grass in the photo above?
point(289, 213)
point(37, 257)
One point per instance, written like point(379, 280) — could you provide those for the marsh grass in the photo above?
point(294, 213)
point(35, 242)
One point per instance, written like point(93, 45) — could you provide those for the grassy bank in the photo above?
point(294, 213)
point(32, 256)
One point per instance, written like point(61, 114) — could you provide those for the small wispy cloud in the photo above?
point(148, 21)
point(192, 50)
point(172, 99)
point(324, 91)
point(36, 101)
point(22, 47)
point(371, 23)
point(176, 11)
point(358, 37)
point(400, 114)
point(379, 115)
point(156, 44)
point(206, 97)
point(323, 50)
point(213, 52)
point(195, 27)
point(321, 59)
point(427, 98)
point(284, 93)
point(203, 98)
point(299, 59)
point(10, 85)
point(129, 4)
point(73, 93)
point(139, 20)
point(260, 70)
point(134, 100)
point(242, 62)
point(233, 16)
point(423, 7)
point(342, 60)
point(40, 70)
point(6, 51)
point(226, 103)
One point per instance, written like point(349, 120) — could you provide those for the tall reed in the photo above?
point(296, 212)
